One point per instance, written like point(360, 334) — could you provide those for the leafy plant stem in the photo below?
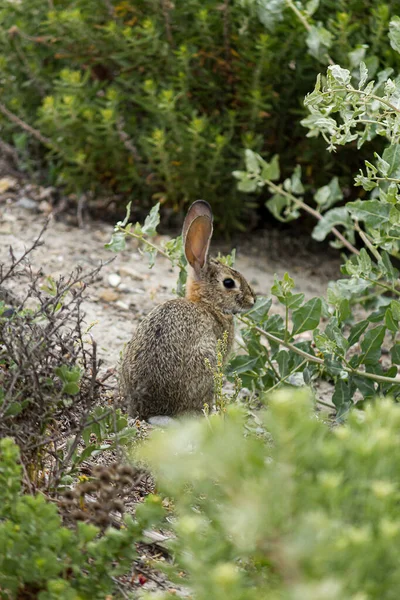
point(315, 359)
point(279, 190)
point(367, 241)
point(352, 90)
point(290, 4)
point(287, 376)
point(382, 285)
point(144, 240)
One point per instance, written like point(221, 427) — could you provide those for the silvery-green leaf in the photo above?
point(327, 195)
point(270, 12)
point(318, 41)
point(394, 33)
point(363, 75)
point(152, 221)
point(342, 76)
point(335, 216)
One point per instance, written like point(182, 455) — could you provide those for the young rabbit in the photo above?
point(163, 369)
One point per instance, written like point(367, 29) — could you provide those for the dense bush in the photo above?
point(52, 400)
point(151, 100)
point(39, 558)
point(313, 515)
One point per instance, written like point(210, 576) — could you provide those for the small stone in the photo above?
point(7, 183)
point(27, 203)
point(45, 207)
point(122, 305)
point(108, 296)
point(46, 193)
point(114, 280)
point(137, 291)
point(132, 273)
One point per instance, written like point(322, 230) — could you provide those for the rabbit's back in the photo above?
point(163, 370)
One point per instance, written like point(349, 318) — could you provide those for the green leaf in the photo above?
point(296, 186)
point(373, 212)
point(394, 33)
point(270, 12)
point(282, 287)
point(328, 195)
point(356, 332)
point(14, 409)
point(371, 345)
point(117, 242)
point(391, 155)
point(341, 76)
point(363, 75)
point(383, 166)
point(152, 221)
point(259, 312)
point(366, 386)
point(274, 325)
point(387, 268)
point(318, 41)
point(342, 397)
point(311, 7)
point(247, 185)
point(252, 161)
point(242, 364)
point(345, 289)
point(71, 389)
point(395, 353)
point(395, 306)
point(390, 323)
point(307, 317)
point(128, 215)
point(333, 332)
point(335, 216)
point(271, 170)
point(151, 254)
point(277, 205)
point(294, 301)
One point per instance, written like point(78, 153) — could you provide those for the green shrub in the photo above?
point(154, 101)
point(314, 514)
point(40, 558)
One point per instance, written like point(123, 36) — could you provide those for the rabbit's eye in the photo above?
point(229, 283)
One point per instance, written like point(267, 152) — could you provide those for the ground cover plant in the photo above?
point(311, 514)
point(154, 101)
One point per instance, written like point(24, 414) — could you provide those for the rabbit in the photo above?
point(163, 370)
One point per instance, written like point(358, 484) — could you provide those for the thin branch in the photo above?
point(305, 23)
point(373, 376)
point(279, 190)
point(34, 132)
point(166, 7)
point(142, 239)
point(352, 90)
point(367, 241)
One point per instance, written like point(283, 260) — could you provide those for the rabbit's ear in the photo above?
point(197, 232)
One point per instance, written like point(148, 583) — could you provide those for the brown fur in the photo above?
point(163, 369)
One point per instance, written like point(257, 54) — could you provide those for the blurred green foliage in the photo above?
point(150, 100)
point(39, 558)
point(311, 513)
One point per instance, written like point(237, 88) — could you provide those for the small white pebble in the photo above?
point(114, 279)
